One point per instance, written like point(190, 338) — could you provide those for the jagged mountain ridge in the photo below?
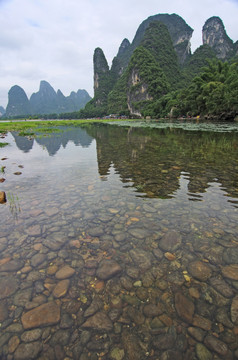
point(45, 101)
point(113, 88)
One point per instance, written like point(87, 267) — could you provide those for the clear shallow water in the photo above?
point(131, 234)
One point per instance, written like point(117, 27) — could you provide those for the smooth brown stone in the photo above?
point(2, 197)
point(8, 286)
point(43, 315)
point(202, 322)
point(184, 307)
point(61, 288)
point(34, 230)
point(12, 265)
point(199, 270)
point(216, 345)
point(99, 321)
point(171, 241)
point(3, 311)
point(64, 273)
point(28, 351)
point(234, 310)
point(107, 269)
point(230, 271)
point(13, 344)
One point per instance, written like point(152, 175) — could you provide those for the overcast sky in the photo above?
point(54, 40)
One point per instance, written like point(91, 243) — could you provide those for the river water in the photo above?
point(119, 241)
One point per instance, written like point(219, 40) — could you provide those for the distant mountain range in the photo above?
point(45, 101)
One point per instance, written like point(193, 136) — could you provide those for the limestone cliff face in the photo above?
point(214, 35)
point(137, 91)
point(102, 77)
point(18, 103)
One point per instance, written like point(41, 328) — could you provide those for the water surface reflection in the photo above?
point(125, 245)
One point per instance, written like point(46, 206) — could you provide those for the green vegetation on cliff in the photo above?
point(158, 41)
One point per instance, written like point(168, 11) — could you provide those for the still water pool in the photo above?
point(120, 242)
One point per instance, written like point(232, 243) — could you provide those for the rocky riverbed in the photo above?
point(89, 270)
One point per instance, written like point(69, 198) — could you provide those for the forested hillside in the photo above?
point(157, 76)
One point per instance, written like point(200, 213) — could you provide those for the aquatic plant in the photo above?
point(14, 204)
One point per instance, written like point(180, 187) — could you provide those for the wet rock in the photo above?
point(37, 259)
point(141, 258)
point(133, 272)
point(34, 276)
point(126, 283)
point(202, 352)
point(34, 230)
point(222, 317)
point(202, 323)
point(197, 334)
point(176, 278)
point(234, 310)
point(96, 231)
point(44, 315)
point(230, 256)
point(147, 279)
point(65, 272)
point(22, 297)
point(199, 270)
point(99, 321)
point(85, 337)
point(169, 256)
point(230, 271)
point(164, 342)
point(158, 254)
point(66, 321)
point(31, 335)
point(3, 311)
point(156, 323)
point(36, 301)
point(139, 233)
point(131, 346)
point(60, 337)
point(4, 339)
point(15, 327)
point(3, 198)
point(51, 211)
point(8, 286)
point(142, 294)
point(171, 355)
point(91, 264)
point(94, 307)
point(114, 314)
point(107, 269)
point(222, 287)
point(61, 288)
point(184, 307)
point(28, 351)
point(54, 244)
point(151, 310)
point(216, 345)
point(13, 344)
point(3, 243)
point(135, 315)
point(12, 265)
point(171, 241)
point(117, 354)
